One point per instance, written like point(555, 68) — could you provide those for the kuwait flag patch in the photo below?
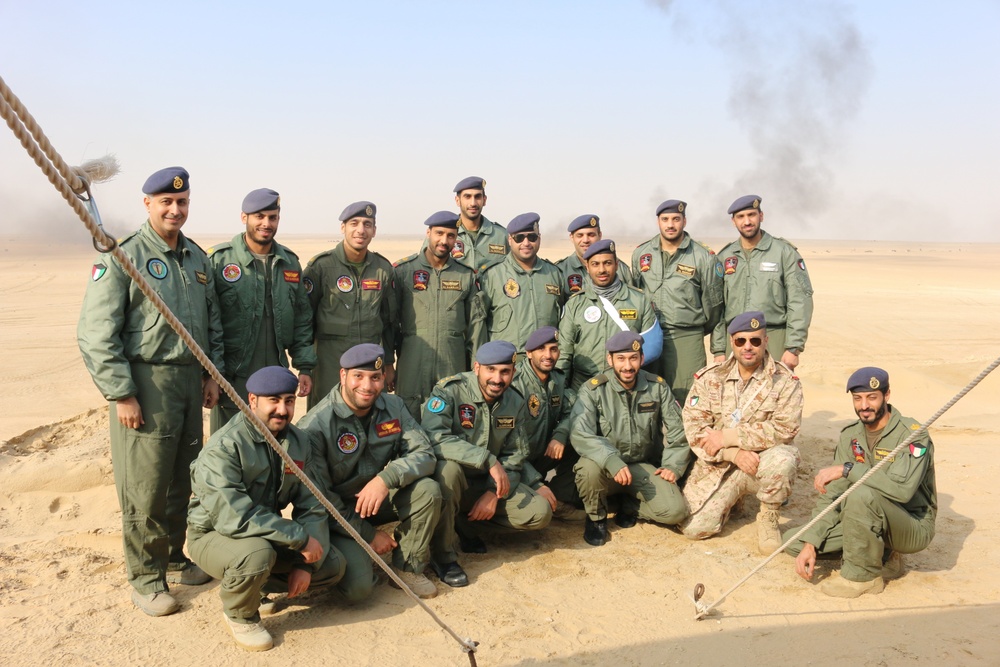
point(917, 451)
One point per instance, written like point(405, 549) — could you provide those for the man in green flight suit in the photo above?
point(764, 273)
point(480, 241)
point(154, 385)
point(606, 306)
point(628, 432)
point(584, 231)
point(439, 325)
point(265, 308)
point(378, 461)
point(476, 424)
point(235, 528)
point(891, 514)
point(352, 297)
point(684, 280)
point(522, 292)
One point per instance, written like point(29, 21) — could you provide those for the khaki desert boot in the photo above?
point(417, 582)
point(192, 575)
point(155, 604)
point(893, 568)
point(768, 535)
point(566, 512)
point(838, 587)
point(249, 636)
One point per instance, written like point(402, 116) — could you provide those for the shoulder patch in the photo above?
point(706, 247)
point(405, 259)
point(707, 369)
point(448, 380)
point(597, 381)
point(127, 237)
point(219, 247)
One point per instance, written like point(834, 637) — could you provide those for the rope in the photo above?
point(69, 184)
point(704, 610)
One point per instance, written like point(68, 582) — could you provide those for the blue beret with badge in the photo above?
point(272, 381)
point(752, 320)
point(599, 247)
point(171, 179)
point(672, 206)
point(365, 357)
point(585, 221)
point(743, 203)
point(868, 379)
point(496, 352)
point(624, 341)
point(443, 219)
point(359, 209)
point(526, 222)
point(261, 199)
point(471, 183)
point(541, 336)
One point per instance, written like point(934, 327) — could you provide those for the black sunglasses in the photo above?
point(519, 238)
point(740, 342)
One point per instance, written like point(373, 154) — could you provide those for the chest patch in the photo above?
point(644, 408)
point(435, 405)
point(420, 280)
point(99, 270)
point(730, 265)
point(201, 277)
point(770, 267)
point(454, 285)
point(511, 288)
point(390, 427)
point(645, 262)
point(555, 401)
point(629, 314)
point(685, 270)
point(858, 451)
point(880, 453)
point(157, 268)
point(291, 276)
point(574, 282)
point(505, 422)
point(534, 405)
point(458, 252)
point(497, 249)
point(592, 314)
point(301, 465)
point(552, 289)
point(308, 284)
point(347, 443)
point(345, 284)
point(467, 415)
point(371, 284)
point(231, 273)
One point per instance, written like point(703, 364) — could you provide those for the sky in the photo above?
point(851, 120)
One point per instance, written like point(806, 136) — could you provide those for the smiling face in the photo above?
point(440, 241)
point(747, 223)
point(493, 379)
point(870, 407)
point(671, 226)
point(749, 348)
point(526, 250)
point(360, 388)
point(544, 359)
point(358, 232)
point(582, 238)
point(167, 212)
point(262, 227)
point(275, 411)
point(626, 366)
point(471, 203)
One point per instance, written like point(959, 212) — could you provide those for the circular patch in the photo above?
point(308, 283)
point(874, 383)
point(435, 405)
point(345, 283)
point(347, 442)
point(511, 288)
point(157, 268)
point(458, 252)
point(231, 273)
point(592, 314)
point(718, 269)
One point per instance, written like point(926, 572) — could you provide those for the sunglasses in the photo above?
point(519, 238)
point(755, 341)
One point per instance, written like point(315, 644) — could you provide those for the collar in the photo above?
point(339, 253)
point(152, 237)
point(764, 371)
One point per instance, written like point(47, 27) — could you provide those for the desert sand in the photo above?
point(928, 313)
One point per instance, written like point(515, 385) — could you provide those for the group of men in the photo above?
point(470, 386)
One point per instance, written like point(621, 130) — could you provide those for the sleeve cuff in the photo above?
point(729, 454)
point(730, 437)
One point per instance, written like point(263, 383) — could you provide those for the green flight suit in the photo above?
point(236, 532)
point(389, 444)
point(439, 325)
point(516, 301)
point(771, 278)
point(686, 291)
point(640, 428)
point(130, 350)
point(585, 328)
point(477, 250)
point(575, 277)
point(895, 509)
point(469, 436)
point(549, 405)
point(265, 311)
point(350, 307)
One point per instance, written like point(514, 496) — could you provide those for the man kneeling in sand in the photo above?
point(235, 529)
point(892, 513)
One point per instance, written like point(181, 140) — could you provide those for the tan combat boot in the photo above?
point(838, 587)
point(768, 535)
point(417, 582)
point(249, 636)
point(893, 568)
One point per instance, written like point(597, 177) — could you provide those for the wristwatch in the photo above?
point(847, 468)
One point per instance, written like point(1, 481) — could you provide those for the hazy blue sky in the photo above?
point(863, 120)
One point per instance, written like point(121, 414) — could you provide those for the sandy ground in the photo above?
point(927, 313)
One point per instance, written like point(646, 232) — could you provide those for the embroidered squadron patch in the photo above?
point(99, 270)
point(645, 262)
point(511, 288)
point(391, 427)
point(308, 283)
point(730, 265)
point(420, 280)
point(592, 314)
point(201, 277)
point(574, 282)
point(347, 443)
point(858, 451)
point(291, 276)
point(467, 415)
point(435, 405)
point(718, 269)
point(345, 284)
point(157, 268)
point(231, 273)
point(534, 405)
point(458, 252)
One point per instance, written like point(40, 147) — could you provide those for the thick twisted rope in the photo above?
point(69, 183)
point(704, 610)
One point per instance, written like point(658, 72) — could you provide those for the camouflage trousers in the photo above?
point(772, 483)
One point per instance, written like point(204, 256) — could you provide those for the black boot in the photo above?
point(595, 533)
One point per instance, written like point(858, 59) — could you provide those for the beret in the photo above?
point(671, 206)
point(743, 203)
point(496, 352)
point(598, 247)
point(366, 356)
point(541, 336)
point(359, 209)
point(471, 182)
point(581, 221)
point(272, 381)
point(263, 199)
point(624, 341)
point(526, 222)
point(443, 219)
point(749, 321)
point(868, 378)
point(171, 179)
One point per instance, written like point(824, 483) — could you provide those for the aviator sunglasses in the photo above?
point(741, 341)
point(519, 238)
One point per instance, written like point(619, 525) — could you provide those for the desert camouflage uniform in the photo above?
point(760, 415)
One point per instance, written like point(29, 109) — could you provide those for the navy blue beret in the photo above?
point(470, 183)
point(359, 209)
point(582, 221)
point(868, 378)
point(443, 219)
point(526, 222)
point(671, 206)
point(272, 381)
point(366, 356)
point(262, 199)
point(171, 179)
point(743, 203)
point(496, 352)
point(752, 320)
point(598, 247)
point(541, 336)
point(624, 341)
